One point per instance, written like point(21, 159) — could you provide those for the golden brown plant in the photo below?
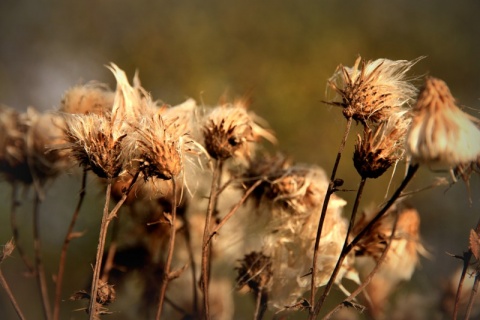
point(92, 97)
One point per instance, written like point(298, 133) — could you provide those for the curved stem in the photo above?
point(330, 191)
point(370, 276)
point(212, 201)
point(92, 308)
point(66, 242)
point(40, 271)
point(193, 266)
point(112, 249)
point(9, 292)
point(14, 225)
point(167, 275)
point(412, 169)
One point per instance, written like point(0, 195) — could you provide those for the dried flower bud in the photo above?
point(373, 90)
point(92, 97)
point(106, 293)
point(381, 147)
point(255, 272)
point(441, 134)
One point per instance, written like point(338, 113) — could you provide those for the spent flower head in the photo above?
point(381, 146)
point(373, 90)
point(441, 135)
point(92, 97)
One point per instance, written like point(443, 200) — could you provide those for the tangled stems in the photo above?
point(331, 189)
point(63, 255)
point(412, 169)
point(212, 203)
point(167, 275)
point(106, 218)
point(367, 280)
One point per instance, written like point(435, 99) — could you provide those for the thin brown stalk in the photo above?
point(331, 189)
point(370, 276)
point(467, 256)
point(112, 249)
point(233, 209)
point(472, 295)
point(167, 275)
point(193, 266)
point(40, 271)
point(14, 225)
point(412, 169)
point(10, 295)
point(260, 305)
point(212, 201)
point(63, 255)
point(106, 218)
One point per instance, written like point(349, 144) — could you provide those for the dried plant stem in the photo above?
point(14, 225)
point(193, 266)
point(233, 209)
point(472, 295)
point(370, 276)
point(9, 292)
point(40, 271)
point(260, 305)
point(167, 275)
point(106, 218)
point(331, 189)
point(412, 169)
point(212, 202)
point(467, 256)
point(66, 242)
point(112, 249)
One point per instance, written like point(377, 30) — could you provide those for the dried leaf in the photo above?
point(79, 295)
point(475, 244)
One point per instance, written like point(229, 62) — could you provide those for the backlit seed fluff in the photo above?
point(441, 135)
point(92, 97)
point(373, 90)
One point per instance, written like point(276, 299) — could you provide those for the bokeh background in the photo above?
point(278, 53)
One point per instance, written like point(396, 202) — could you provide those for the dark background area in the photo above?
point(278, 53)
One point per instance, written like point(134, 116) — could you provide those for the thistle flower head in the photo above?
point(373, 90)
point(441, 134)
point(229, 131)
point(381, 146)
point(255, 271)
point(94, 143)
point(92, 97)
point(156, 148)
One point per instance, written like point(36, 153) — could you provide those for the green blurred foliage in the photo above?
point(278, 53)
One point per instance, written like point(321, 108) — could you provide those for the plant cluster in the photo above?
point(202, 200)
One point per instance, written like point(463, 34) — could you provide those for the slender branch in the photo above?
point(370, 276)
point(63, 255)
point(14, 225)
point(233, 209)
point(342, 257)
point(167, 275)
point(106, 218)
point(412, 169)
point(112, 249)
point(260, 304)
point(40, 271)
point(472, 295)
point(193, 266)
point(92, 308)
point(13, 301)
point(212, 201)
point(331, 189)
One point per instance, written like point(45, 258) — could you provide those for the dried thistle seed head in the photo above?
point(441, 135)
point(95, 144)
point(229, 131)
point(299, 188)
point(92, 97)
point(255, 272)
point(13, 150)
point(44, 131)
point(183, 118)
point(381, 146)
point(156, 151)
point(106, 293)
point(373, 90)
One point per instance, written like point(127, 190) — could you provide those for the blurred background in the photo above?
point(278, 53)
